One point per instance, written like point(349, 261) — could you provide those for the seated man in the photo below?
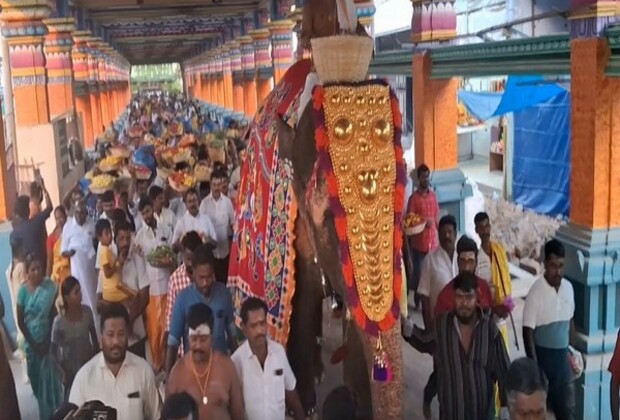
point(206, 374)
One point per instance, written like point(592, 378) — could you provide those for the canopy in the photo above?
point(521, 92)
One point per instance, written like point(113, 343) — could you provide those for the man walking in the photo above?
point(440, 266)
point(548, 329)
point(266, 376)
point(205, 373)
point(470, 356)
point(423, 202)
point(492, 266)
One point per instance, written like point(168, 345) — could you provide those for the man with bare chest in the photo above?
point(206, 374)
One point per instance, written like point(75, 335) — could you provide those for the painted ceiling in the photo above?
point(164, 31)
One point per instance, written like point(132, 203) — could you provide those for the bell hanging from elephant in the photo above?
point(320, 209)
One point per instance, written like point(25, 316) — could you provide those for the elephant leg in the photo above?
point(303, 348)
point(379, 401)
point(387, 397)
point(355, 369)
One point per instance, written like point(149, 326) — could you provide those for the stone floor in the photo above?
point(417, 366)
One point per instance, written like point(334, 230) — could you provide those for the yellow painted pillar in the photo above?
point(435, 116)
point(281, 32)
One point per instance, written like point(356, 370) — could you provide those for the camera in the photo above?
point(92, 410)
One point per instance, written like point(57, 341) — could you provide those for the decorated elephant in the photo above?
point(319, 209)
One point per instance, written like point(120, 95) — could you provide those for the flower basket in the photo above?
point(161, 257)
point(415, 230)
point(414, 224)
point(121, 152)
point(163, 173)
point(202, 173)
point(181, 182)
point(182, 155)
point(101, 184)
point(107, 168)
point(143, 173)
point(216, 154)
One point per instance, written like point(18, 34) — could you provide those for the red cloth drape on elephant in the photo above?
point(262, 255)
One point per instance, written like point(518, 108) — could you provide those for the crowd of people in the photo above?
point(147, 263)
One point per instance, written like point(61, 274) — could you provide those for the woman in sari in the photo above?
point(58, 267)
point(35, 313)
point(9, 407)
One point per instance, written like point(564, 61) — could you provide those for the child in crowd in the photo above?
point(111, 267)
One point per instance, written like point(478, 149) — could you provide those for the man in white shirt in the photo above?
point(193, 220)
point(133, 275)
point(220, 211)
point(115, 376)
point(164, 215)
point(152, 235)
point(440, 266)
point(548, 330)
point(266, 376)
point(78, 237)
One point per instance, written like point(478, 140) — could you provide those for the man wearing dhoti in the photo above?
point(78, 244)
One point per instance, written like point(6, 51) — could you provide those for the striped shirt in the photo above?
point(466, 378)
point(179, 281)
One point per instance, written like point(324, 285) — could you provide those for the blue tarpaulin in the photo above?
point(541, 155)
point(541, 158)
point(521, 92)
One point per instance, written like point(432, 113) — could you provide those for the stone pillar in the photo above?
point(435, 124)
point(27, 59)
point(82, 108)
point(219, 81)
point(262, 63)
point(249, 82)
point(592, 237)
point(79, 56)
point(435, 116)
point(102, 86)
point(281, 32)
point(237, 77)
point(227, 76)
point(57, 49)
point(93, 87)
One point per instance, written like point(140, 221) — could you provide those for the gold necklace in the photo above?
point(207, 373)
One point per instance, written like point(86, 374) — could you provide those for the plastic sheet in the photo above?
point(541, 159)
point(144, 157)
point(521, 93)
